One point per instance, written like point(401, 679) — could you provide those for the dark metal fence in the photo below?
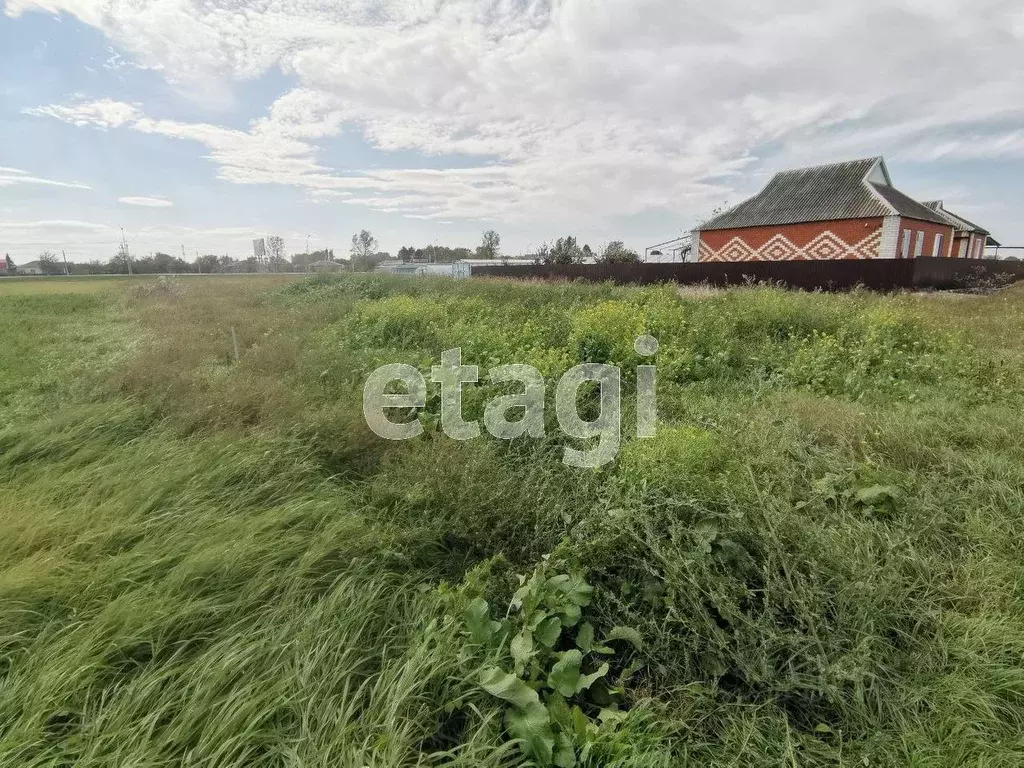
point(839, 275)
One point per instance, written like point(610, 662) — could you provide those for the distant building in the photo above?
point(32, 268)
point(842, 211)
point(465, 267)
point(326, 266)
point(6, 266)
point(415, 268)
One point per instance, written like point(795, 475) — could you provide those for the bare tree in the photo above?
point(275, 251)
point(364, 251)
point(49, 265)
point(716, 211)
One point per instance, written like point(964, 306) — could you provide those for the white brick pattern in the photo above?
point(827, 245)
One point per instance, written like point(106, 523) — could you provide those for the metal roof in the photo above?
point(905, 205)
point(824, 193)
point(957, 221)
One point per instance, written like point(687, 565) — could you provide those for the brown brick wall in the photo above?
point(966, 246)
point(841, 239)
point(930, 230)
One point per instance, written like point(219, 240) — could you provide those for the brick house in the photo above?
point(842, 211)
point(969, 240)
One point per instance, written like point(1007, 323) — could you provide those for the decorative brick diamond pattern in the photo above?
point(779, 248)
point(869, 247)
point(826, 246)
point(736, 250)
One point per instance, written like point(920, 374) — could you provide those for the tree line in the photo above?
point(364, 255)
point(565, 250)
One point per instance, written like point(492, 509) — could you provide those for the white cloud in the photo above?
point(53, 225)
point(146, 202)
point(9, 177)
point(25, 239)
point(85, 240)
point(1008, 144)
point(573, 109)
point(105, 113)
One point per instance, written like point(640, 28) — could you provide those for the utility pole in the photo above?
point(67, 272)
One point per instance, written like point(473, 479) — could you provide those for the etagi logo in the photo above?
point(452, 374)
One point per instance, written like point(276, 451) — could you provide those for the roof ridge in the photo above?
point(874, 159)
point(872, 187)
point(851, 189)
point(960, 222)
point(899, 207)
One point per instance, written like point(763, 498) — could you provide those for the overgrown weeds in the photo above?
point(211, 561)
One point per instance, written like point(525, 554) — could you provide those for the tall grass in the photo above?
point(211, 562)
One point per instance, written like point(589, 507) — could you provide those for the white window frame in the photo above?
point(919, 244)
point(905, 247)
point(937, 250)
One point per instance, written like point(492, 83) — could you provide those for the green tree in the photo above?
point(162, 263)
point(207, 263)
point(490, 248)
point(442, 254)
point(304, 260)
point(616, 252)
point(565, 251)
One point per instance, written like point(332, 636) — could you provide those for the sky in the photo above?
point(198, 126)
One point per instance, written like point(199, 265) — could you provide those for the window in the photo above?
point(938, 246)
point(977, 249)
point(919, 244)
point(905, 249)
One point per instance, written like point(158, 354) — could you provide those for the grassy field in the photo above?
point(818, 560)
